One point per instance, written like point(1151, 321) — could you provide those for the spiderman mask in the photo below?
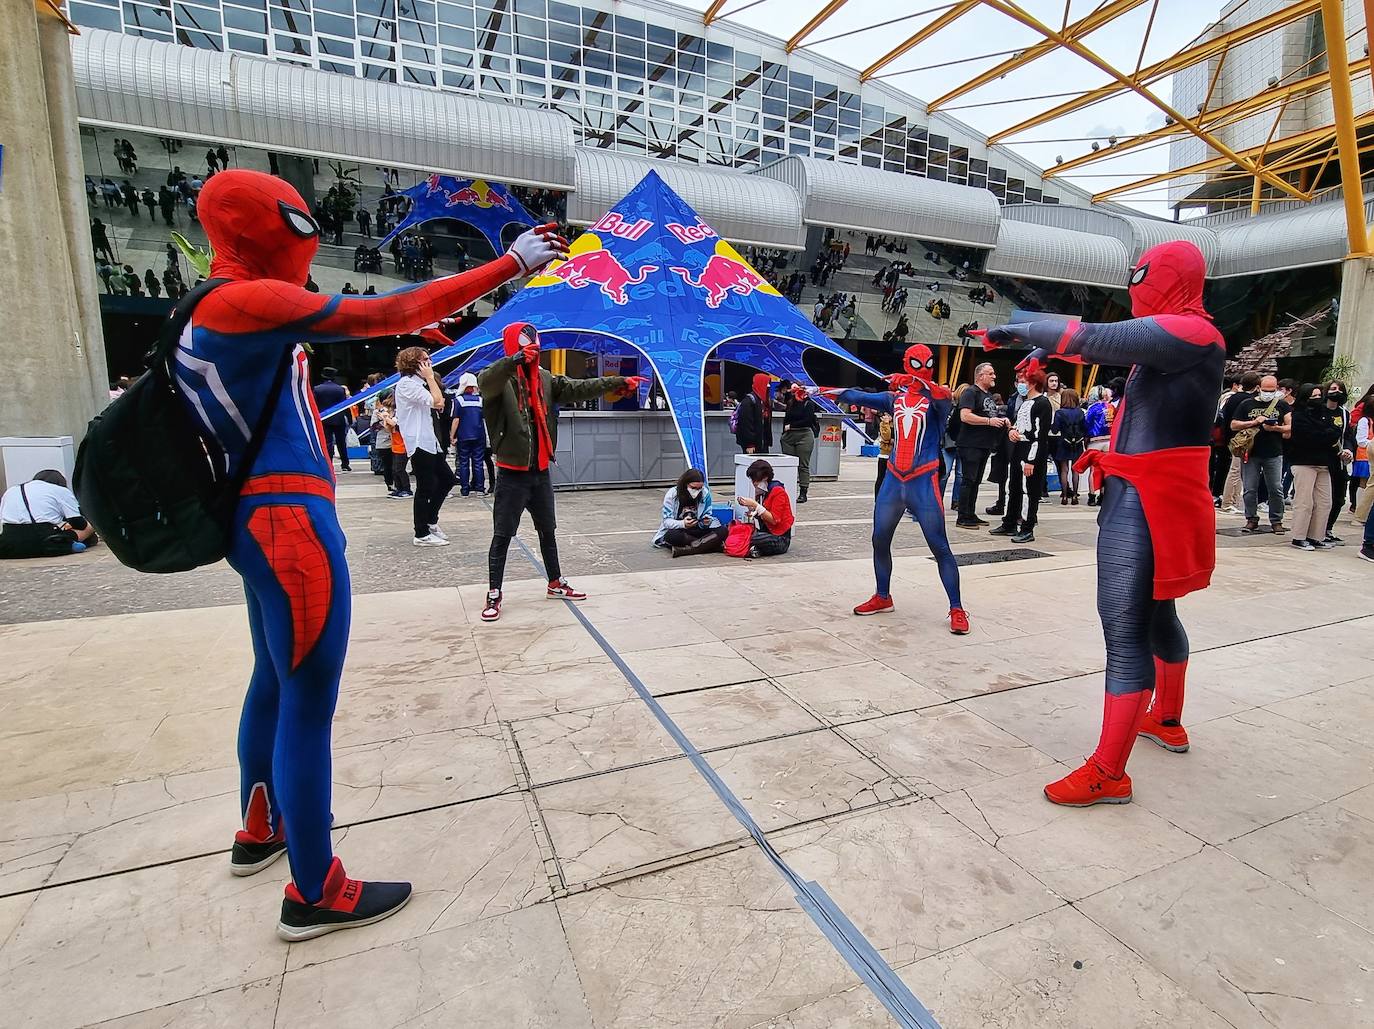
point(1168, 279)
point(258, 227)
point(919, 362)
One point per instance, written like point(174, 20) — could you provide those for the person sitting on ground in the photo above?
point(687, 526)
point(771, 511)
point(41, 518)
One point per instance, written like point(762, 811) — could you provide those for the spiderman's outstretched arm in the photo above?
point(874, 401)
point(270, 307)
point(1167, 343)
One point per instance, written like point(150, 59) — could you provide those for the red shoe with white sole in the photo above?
point(1170, 737)
point(1089, 785)
point(561, 589)
point(874, 605)
point(958, 621)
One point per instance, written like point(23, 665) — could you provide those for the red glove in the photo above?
point(830, 392)
point(938, 392)
point(997, 336)
point(633, 382)
point(435, 335)
point(530, 352)
point(1034, 361)
point(899, 381)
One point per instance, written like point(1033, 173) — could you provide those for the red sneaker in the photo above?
point(1170, 737)
point(874, 605)
point(561, 589)
point(1087, 785)
point(345, 904)
point(493, 609)
point(958, 621)
point(256, 845)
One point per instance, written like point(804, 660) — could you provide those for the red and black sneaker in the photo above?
point(874, 605)
point(493, 609)
point(561, 589)
point(256, 845)
point(958, 621)
point(345, 904)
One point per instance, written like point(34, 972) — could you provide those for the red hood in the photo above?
point(510, 336)
point(761, 382)
point(245, 215)
point(1168, 279)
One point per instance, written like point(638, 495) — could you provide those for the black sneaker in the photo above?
point(1367, 551)
point(1321, 544)
point(961, 524)
point(996, 509)
point(1302, 544)
point(1332, 540)
point(346, 904)
point(1002, 530)
point(1024, 536)
point(251, 856)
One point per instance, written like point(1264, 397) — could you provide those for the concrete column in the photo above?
point(60, 87)
point(1355, 328)
point(46, 386)
point(300, 172)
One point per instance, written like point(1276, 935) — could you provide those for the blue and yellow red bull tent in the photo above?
point(651, 278)
point(487, 207)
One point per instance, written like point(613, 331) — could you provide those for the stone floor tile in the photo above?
point(529, 691)
point(719, 943)
point(1326, 854)
point(1359, 801)
point(943, 748)
point(739, 713)
point(59, 760)
point(1346, 710)
point(913, 879)
point(12, 912)
point(855, 1008)
point(250, 1005)
point(625, 819)
point(851, 692)
point(691, 667)
point(1245, 945)
point(113, 946)
point(509, 971)
point(467, 862)
point(799, 651)
point(652, 632)
point(1257, 767)
point(1056, 970)
point(1075, 852)
point(411, 708)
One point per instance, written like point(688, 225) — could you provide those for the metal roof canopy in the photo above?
point(743, 208)
point(1137, 232)
point(124, 82)
point(1028, 250)
point(1311, 235)
point(847, 196)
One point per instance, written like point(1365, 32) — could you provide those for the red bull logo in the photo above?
point(433, 185)
point(601, 269)
point(721, 277)
point(478, 194)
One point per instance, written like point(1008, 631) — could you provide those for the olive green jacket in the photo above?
point(506, 410)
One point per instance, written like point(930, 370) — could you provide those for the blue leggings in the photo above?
point(290, 551)
point(1136, 627)
point(919, 496)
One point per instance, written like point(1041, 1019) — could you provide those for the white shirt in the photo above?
point(54, 504)
point(413, 407)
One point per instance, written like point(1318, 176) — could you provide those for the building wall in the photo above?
point(643, 77)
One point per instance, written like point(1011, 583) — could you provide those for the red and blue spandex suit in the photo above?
point(1157, 526)
point(286, 540)
point(920, 410)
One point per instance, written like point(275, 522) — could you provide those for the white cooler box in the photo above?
point(25, 455)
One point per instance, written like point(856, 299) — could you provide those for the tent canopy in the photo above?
point(487, 207)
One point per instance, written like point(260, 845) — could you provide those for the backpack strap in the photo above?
point(25, 498)
point(175, 324)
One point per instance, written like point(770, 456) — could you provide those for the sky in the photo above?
point(926, 72)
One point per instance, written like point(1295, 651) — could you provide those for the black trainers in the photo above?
point(1024, 536)
point(1002, 530)
point(996, 509)
point(1302, 544)
point(251, 856)
point(1331, 539)
point(346, 904)
point(1321, 544)
point(1367, 551)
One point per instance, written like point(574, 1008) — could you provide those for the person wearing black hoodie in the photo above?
point(1316, 438)
point(754, 419)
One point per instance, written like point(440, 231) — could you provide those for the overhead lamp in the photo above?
point(1273, 81)
point(1096, 147)
point(1111, 141)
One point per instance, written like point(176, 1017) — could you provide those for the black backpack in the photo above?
point(153, 485)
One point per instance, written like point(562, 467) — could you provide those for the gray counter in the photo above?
point(641, 448)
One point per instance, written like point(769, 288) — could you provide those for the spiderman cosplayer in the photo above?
point(285, 537)
point(919, 409)
point(1157, 526)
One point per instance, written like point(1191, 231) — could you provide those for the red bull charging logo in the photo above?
point(478, 194)
point(725, 273)
point(590, 264)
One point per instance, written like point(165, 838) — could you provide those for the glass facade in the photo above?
point(643, 85)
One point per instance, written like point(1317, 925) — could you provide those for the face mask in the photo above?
point(1022, 388)
point(693, 492)
point(1337, 395)
point(1269, 394)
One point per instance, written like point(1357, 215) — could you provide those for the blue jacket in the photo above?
point(468, 411)
point(327, 394)
point(672, 515)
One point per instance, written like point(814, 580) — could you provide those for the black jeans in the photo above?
point(765, 544)
point(400, 478)
point(516, 493)
point(975, 464)
point(1340, 478)
point(433, 480)
point(882, 474)
point(698, 539)
point(336, 435)
point(1018, 486)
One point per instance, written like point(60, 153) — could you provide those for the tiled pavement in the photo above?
point(572, 869)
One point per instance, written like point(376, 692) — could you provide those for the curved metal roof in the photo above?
point(1030, 250)
point(1136, 232)
point(138, 84)
point(846, 196)
point(1280, 242)
point(740, 207)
